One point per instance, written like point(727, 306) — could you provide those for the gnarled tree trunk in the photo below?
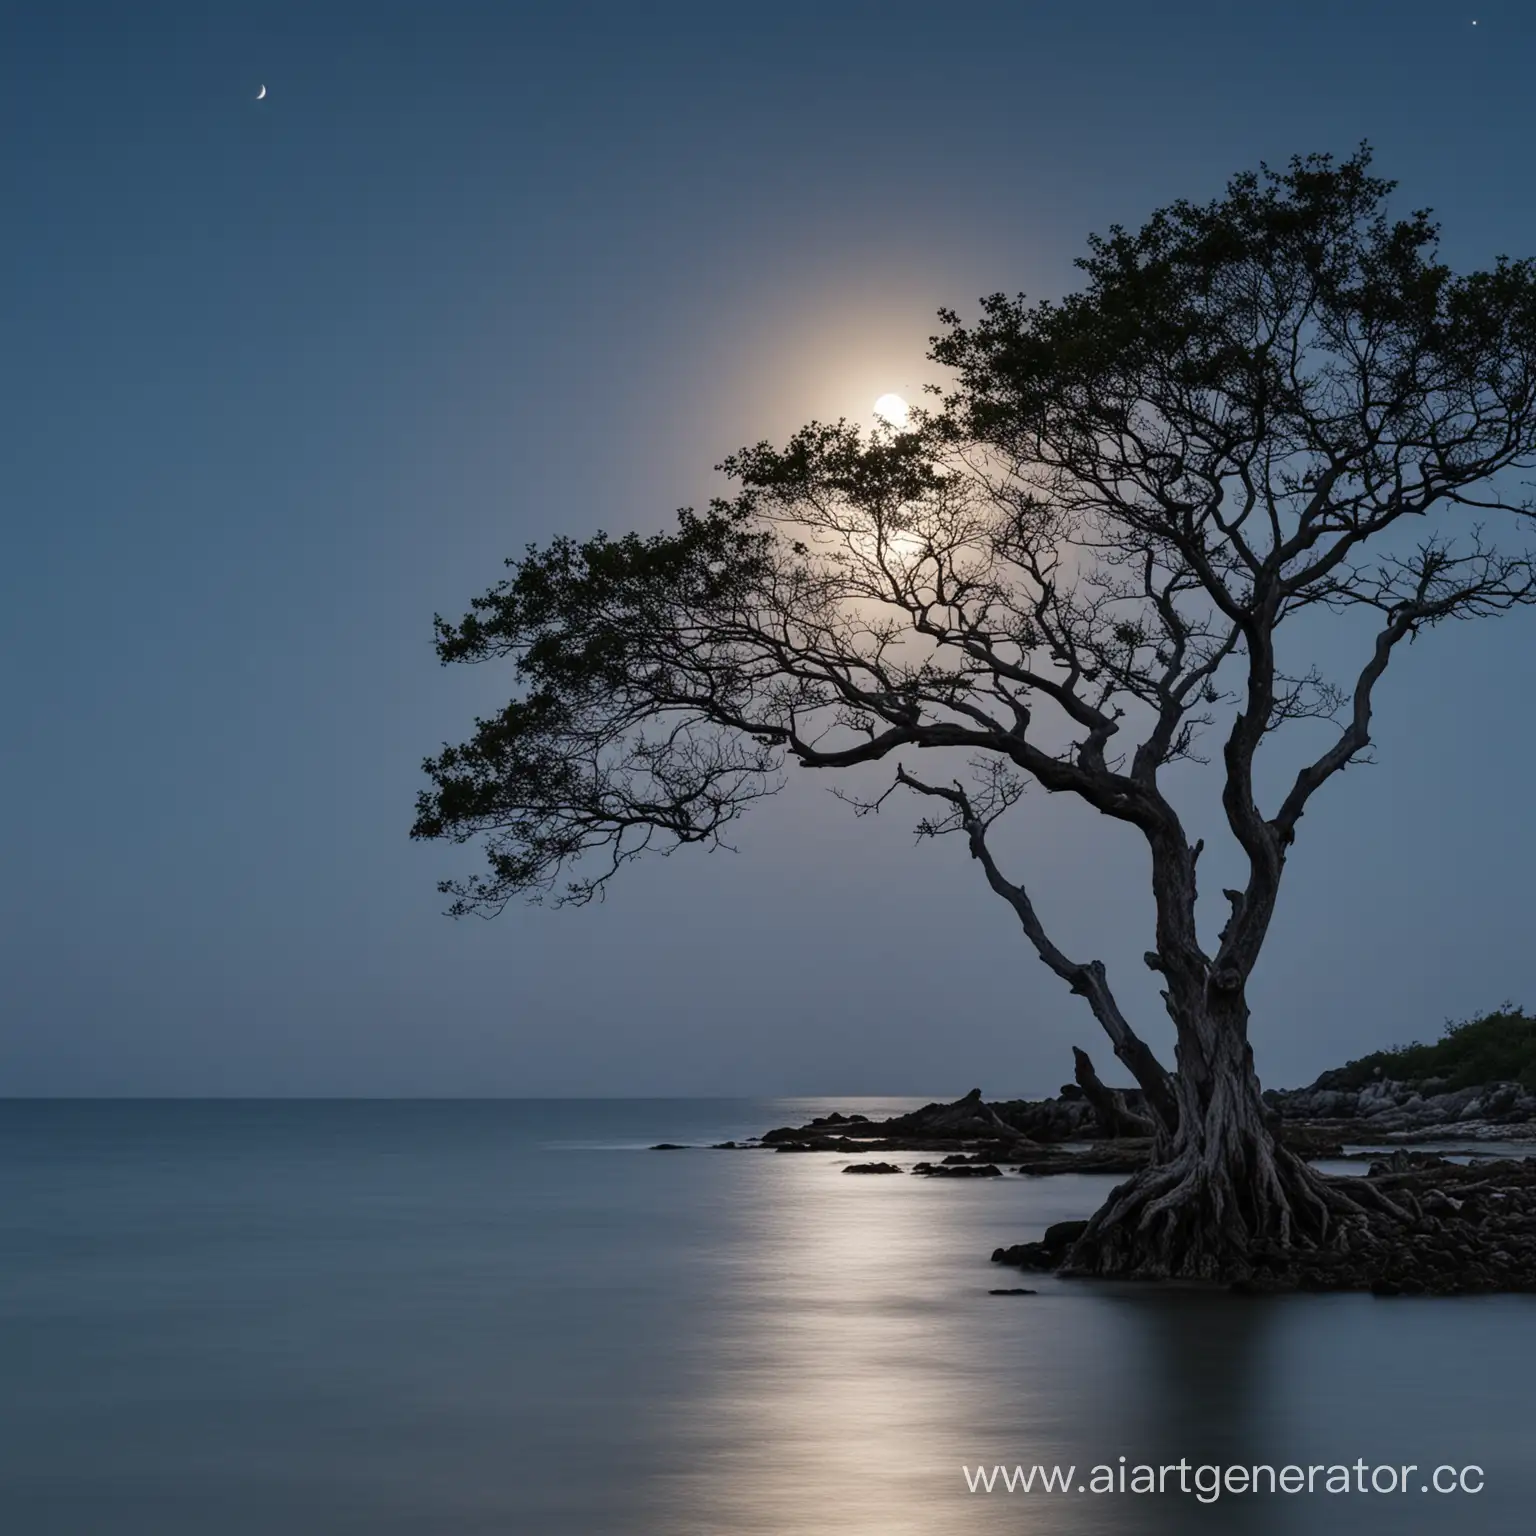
point(1221, 1190)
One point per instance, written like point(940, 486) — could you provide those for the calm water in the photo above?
point(449, 1318)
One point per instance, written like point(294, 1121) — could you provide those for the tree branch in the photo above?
point(1087, 979)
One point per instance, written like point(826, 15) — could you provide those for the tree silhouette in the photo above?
point(1070, 571)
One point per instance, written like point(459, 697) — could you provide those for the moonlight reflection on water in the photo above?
point(446, 1318)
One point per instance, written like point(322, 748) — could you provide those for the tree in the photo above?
point(1069, 571)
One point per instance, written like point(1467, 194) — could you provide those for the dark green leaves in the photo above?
point(1125, 495)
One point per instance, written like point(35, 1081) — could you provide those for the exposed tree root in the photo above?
point(1226, 1201)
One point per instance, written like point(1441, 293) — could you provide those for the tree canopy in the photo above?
point(1058, 574)
point(1073, 569)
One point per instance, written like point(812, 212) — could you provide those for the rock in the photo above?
point(1388, 1110)
point(1311, 1140)
point(947, 1170)
point(1012, 1290)
point(988, 1132)
point(1401, 1161)
point(1315, 1122)
point(872, 1168)
point(1063, 1234)
point(1048, 1253)
point(1025, 1256)
point(670, 1146)
point(1332, 1104)
point(1126, 1156)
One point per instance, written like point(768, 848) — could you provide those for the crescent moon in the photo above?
point(261, 93)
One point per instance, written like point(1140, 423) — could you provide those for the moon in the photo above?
point(261, 93)
point(893, 411)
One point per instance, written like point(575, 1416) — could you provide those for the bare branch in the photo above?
point(1088, 979)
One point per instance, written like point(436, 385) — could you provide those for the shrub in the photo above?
point(1499, 1047)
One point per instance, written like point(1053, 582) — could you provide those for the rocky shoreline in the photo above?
point(1037, 1137)
point(1464, 1227)
point(1409, 1112)
point(1078, 1131)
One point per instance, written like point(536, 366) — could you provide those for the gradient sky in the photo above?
point(280, 379)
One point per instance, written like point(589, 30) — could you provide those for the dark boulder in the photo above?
point(1063, 1234)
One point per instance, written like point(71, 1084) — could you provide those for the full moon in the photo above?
point(892, 410)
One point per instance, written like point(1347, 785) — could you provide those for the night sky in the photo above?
point(282, 378)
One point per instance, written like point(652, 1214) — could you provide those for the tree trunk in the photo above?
point(1220, 1190)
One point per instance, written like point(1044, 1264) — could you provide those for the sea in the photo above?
point(513, 1318)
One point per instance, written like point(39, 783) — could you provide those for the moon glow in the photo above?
point(892, 410)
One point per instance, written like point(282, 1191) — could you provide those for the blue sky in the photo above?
point(280, 379)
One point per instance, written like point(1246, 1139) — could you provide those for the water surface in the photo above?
point(452, 1318)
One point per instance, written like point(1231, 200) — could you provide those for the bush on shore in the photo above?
point(1498, 1047)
